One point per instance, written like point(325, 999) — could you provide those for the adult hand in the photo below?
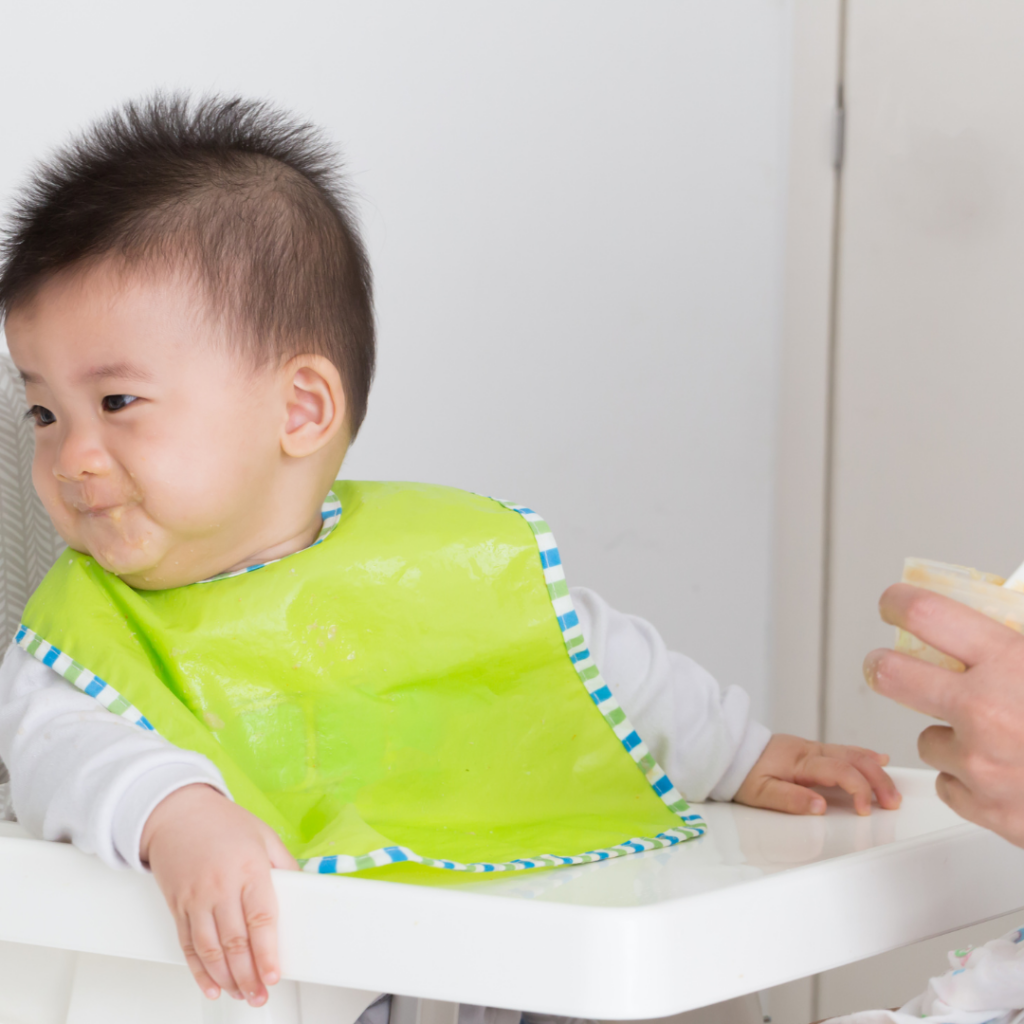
point(212, 860)
point(980, 753)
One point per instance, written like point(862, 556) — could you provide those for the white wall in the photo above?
point(574, 212)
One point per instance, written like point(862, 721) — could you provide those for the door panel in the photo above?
point(929, 359)
point(928, 394)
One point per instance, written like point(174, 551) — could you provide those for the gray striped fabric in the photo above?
point(28, 542)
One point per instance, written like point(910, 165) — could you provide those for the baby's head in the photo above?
point(189, 303)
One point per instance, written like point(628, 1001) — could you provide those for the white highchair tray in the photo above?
point(762, 899)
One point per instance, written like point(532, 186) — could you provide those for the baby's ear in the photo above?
point(314, 405)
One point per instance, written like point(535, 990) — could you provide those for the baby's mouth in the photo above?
point(114, 511)
point(112, 533)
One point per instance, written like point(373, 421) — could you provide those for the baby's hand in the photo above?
point(780, 778)
point(212, 860)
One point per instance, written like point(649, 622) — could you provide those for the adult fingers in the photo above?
point(830, 771)
point(205, 942)
point(914, 683)
point(777, 795)
point(943, 623)
point(938, 748)
point(209, 987)
point(234, 940)
point(259, 906)
point(954, 793)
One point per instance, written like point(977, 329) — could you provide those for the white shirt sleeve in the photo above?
point(703, 737)
point(80, 774)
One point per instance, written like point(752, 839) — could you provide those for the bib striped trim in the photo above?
point(79, 676)
point(344, 865)
point(690, 827)
point(590, 674)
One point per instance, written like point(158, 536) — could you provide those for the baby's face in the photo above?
point(157, 445)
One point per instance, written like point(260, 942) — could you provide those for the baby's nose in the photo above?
point(79, 456)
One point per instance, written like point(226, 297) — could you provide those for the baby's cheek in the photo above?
point(43, 479)
point(65, 520)
point(182, 506)
point(203, 490)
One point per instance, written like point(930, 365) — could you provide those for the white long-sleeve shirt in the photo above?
point(83, 775)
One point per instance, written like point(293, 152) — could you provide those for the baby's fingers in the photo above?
point(777, 795)
point(886, 793)
point(209, 987)
point(259, 905)
point(830, 771)
point(204, 942)
point(872, 755)
point(234, 939)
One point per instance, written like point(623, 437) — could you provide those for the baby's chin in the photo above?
point(143, 574)
point(136, 568)
point(144, 553)
point(139, 557)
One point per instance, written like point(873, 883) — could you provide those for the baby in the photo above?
point(240, 664)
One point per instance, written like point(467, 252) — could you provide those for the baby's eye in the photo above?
point(41, 415)
point(114, 403)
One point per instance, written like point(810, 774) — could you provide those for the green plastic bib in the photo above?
point(414, 687)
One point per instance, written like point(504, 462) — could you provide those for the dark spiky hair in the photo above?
point(244, 198)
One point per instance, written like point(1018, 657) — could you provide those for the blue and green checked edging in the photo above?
point(568, 621)
point(86, 681)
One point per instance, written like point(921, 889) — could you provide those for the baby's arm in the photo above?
point(84, 775)
point(705, 739)
point(79, 773)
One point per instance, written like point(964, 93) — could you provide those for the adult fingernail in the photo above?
point(818, 806)
point(870, 669)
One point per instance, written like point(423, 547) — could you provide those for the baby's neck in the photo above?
point(300, 539)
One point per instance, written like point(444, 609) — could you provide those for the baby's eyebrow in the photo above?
point(121, 371)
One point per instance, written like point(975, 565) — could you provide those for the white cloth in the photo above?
point(80, 774)
point(982, 986)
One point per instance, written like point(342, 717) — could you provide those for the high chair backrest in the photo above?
point(28, 542)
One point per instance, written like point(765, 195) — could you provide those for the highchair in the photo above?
point(694, 931)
